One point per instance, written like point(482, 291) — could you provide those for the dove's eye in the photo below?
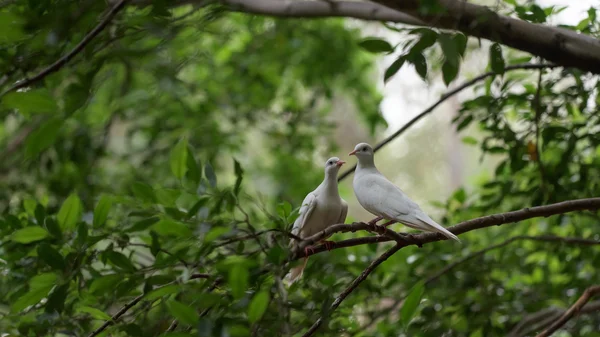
point(329, 162)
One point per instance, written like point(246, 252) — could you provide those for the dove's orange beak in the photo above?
point(352, 153)
point(340, 163)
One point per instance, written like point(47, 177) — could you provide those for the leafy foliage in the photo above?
point(162, 166)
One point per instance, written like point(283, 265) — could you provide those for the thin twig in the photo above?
point(536, 321)
point(254, 235)
point(357, 281)
point(574, 309)
point(591, 204)
point(116, 316)
point(160, 249)
point(441, 100)
point(78, 48)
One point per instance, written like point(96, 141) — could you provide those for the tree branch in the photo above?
point(78, 48)
point(441, 100)
point(116, 316)
point(357, 281)
point(306, 9)
point(542, 318)
point(562, 46)
point(463, 227)
point(558, 45)
point(574, 309)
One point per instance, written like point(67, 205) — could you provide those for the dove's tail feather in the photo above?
point(296, 272)
point(434, 226)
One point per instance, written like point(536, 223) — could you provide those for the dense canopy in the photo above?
point(154, 155)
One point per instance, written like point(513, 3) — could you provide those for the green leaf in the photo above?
point(449, 49)
point(193, 211)
point(53, 228)
point(469, 140)
point(284, 209)
point(30, 102)
point(82, 233)
point(209, 172)
point(375, 45)
point(56, 299)
point(496, 59)
point(163, 291)
point(143, 191)
point(168, 226)
point(393, 68)
point(69, 213)
point(178, 159)
point(239, 176)
point(449, 72)
point(418, 60)
point(119, 260)
point(142, 225)
point(258, 306)
point(11, 27)
point(29, 234)
point(29, 205)
point(426, 40)
point(95, 313)
point(39, 287)
point(101, 211)
point(104, 283)
point(193, 168)
point(215, 232)
point(411, 303)
point(43, 137)
point(464, 123)
point(183, 312)
point(460, 41)
point(50, 256)
point(238, 280)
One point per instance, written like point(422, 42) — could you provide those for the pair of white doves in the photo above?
point(324, 207)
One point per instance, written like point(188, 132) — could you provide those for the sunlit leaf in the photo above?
point(95, 313)
point(411, 303)
point(70, 212)
point(29, 234)
point(238, 280)
point(179, 158)
point(258, 306)
point(101, 211)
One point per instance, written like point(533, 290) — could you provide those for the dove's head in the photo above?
point(364, 153)
point(333, 164)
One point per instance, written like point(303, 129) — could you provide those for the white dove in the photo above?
point(382, 198)
point(320, 209)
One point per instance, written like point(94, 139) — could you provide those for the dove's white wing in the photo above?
point(344, 212)
point(381, 197)
point(308, 206)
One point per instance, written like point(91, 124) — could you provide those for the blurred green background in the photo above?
point(181, 127)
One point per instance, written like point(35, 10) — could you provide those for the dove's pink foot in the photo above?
point(328, 244)
point(309, 251)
